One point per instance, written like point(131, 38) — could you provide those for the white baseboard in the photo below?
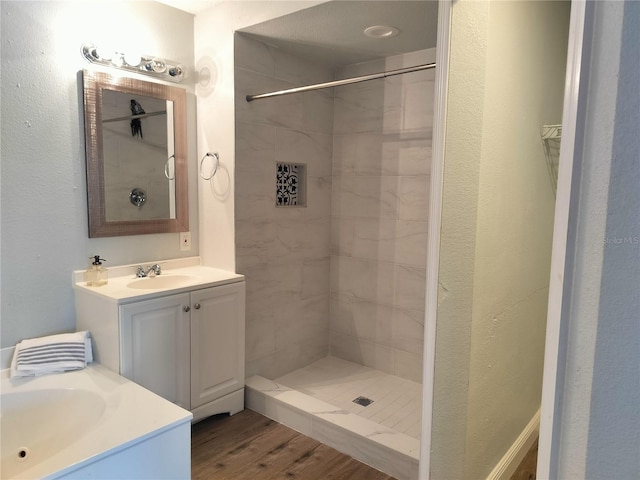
point(510, 461)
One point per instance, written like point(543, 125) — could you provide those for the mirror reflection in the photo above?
point(136, 156)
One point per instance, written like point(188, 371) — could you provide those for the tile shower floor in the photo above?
point(397, 402)
point(318, 401)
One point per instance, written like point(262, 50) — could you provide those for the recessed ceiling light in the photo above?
point(381, 31)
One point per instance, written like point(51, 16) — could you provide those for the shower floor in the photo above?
point(318, 400)
point(397, 402)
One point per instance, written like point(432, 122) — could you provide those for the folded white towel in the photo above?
point(52, 354)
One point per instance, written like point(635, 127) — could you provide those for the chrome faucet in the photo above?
point(152, 271)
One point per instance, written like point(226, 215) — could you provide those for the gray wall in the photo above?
point(597, 426)
point(44, 209)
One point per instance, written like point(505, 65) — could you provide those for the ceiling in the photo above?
point(332, 32)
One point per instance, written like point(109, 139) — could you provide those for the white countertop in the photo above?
point(131, 414)
point(119, 277)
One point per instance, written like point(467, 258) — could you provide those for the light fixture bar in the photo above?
point(148, 65)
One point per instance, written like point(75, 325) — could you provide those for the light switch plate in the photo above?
point(185, 241)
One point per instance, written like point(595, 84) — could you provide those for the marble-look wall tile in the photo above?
point(363, 279)
point(414, 198)
point(252, 55)
point(389, 240)
point(347, 271)
point(363, 352)
point(381, 173)
point(295, 240)
point(318, 202)
point(255, 148)
point(415, 97)
point(255, 196)
point(312, 149)
point(299, 320)
point(392, 326)
point(409, 287)
point(318, 111)
point(255, 242)
point(260, 337)
point(290, 358)
point(365, 196)
point(382, 154)
point(284, 111)
point(300, 71)
point(409, 366)
point(408, 330)
point(360, 109)
point(362, 68)
point(315, 277)
point(283, 252)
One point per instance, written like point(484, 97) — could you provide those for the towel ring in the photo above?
point(166, 168)
point(217, 157)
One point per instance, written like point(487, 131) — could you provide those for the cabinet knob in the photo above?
point(187, 308)
point(197, 306)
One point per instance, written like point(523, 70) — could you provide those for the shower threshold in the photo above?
point(318, 401)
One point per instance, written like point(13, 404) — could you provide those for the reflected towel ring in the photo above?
point(217, 157)
point(166, 168)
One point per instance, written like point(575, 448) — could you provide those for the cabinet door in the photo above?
point(217, 342)
point(155, 346)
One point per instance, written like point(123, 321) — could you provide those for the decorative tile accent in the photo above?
point(291, 185)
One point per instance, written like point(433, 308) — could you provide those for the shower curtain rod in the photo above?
point(337, 83)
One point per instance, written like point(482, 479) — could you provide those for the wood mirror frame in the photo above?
point(94, 84)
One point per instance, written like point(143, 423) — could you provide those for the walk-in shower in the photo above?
point(331, 211)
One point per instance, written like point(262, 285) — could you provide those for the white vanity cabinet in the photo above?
point(155, 349)
point(186, 346)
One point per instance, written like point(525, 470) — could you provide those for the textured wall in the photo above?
point(44, 209)
point(282, 251)
point(380, 203)
point(514, 224)
point(598, 419)
point(496, 229)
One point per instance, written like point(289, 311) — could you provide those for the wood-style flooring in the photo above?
point(250, 446)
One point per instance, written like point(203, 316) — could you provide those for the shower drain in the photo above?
point(364, 401)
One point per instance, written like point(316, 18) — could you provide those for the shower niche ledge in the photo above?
point(391, 452)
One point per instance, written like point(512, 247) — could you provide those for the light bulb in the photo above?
point(132, 59)
point(104, 53)
point(157, 65)
point(177, 71)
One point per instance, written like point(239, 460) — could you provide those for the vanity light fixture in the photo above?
point(145, 64)
point(381, 31)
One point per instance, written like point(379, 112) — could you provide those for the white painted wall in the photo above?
point(44, 210)
point(496, 228)
point(214, 30)
point(597, 424)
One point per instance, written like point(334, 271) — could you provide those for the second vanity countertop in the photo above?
point(178, 276)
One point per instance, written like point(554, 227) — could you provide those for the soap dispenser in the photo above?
point(96, 275)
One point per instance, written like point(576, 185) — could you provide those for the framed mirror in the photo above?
point(136, 154)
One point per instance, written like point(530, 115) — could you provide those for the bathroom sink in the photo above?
point(162, 282)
